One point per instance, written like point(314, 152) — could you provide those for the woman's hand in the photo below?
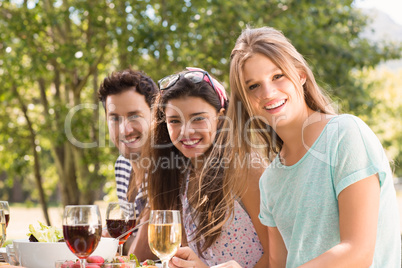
point(185, 257)
point(105, 232)
point(229, 264)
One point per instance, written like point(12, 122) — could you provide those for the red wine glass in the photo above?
point(2, 227)
point(120, 218)
point(82, 229)
point(6, 208)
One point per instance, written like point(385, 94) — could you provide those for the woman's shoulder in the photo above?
point(347, 124)
point(352, 131)
point(347, 120)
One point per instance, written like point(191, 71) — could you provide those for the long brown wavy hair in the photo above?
point(168, 168)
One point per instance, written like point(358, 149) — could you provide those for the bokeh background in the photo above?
point(55, 53)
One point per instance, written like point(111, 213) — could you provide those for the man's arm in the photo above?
point(140, 245)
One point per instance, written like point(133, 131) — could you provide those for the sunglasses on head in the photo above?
point(195, 75)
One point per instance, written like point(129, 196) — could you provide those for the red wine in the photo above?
point(7, 219)
point(82, 240)
point(117, 227)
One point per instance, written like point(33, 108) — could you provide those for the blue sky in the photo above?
point(392, 7)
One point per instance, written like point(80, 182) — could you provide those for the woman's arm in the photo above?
point(140, 245)
point(358, 216)
point(277, 249)
point(251, 201)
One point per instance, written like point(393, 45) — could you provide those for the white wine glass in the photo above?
point(164, 234)
point(82, 229)
point(2, 227)
point(120, 218)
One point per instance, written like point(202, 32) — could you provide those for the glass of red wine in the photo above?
point(6, 208)
point(120, 218)
point(2, 227)
point(82, 229)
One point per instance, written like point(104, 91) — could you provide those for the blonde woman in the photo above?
point(327, 198)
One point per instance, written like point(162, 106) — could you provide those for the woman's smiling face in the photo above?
point(272, 94)
point(192, 125)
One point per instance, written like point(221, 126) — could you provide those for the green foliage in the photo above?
point(383, 114)
point(54, 55)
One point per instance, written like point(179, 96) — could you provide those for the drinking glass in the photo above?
point(164, 234)
point(120, 218)
point(2, 227)
point(82, 229)
point(4, 206)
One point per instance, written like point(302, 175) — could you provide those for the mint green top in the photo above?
point(302, 200)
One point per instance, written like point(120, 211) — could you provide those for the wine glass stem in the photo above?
point(121, 249)
point(165, 263)
point(82, 263)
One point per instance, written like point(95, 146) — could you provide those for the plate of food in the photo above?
point(45, 246)
point(117, 262)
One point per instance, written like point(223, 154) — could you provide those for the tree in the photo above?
point(383, 113)
point(53, 55)
point(57, 63)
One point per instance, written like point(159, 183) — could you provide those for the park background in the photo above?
point(54, 54)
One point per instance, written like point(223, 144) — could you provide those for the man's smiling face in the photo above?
point(128, 116)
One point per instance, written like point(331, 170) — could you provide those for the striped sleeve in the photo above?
point(122, 172)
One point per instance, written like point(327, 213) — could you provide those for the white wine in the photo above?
point(2, 233)
point(164, 239)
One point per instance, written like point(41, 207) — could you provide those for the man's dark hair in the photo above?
point(128, 79)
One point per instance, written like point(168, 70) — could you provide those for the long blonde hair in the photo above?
point(274, 45)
